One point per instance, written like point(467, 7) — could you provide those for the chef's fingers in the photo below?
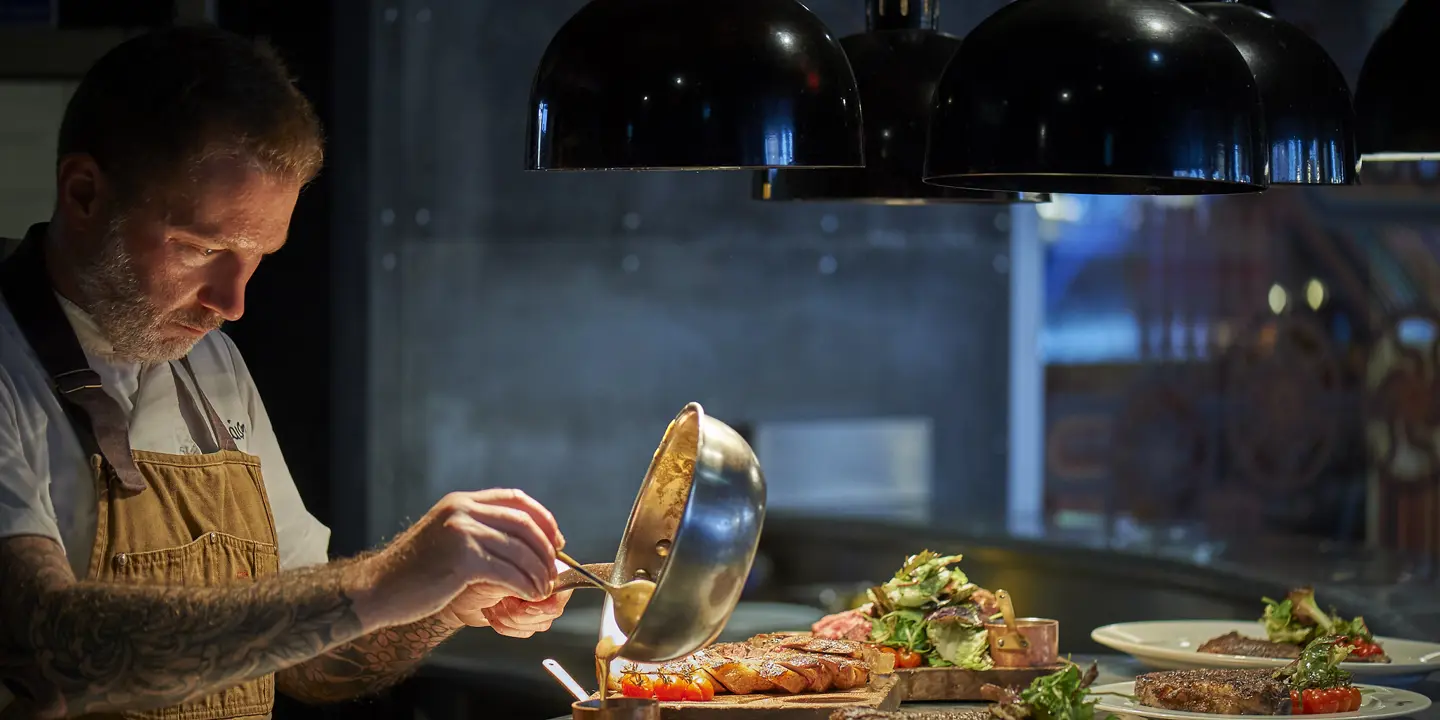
point(518, 523)
point(486, 591)
point(538, 627)
point(502, 625)
point(499, 559)
point(553, 605)
point(520, 501)
point(528, 623)
point(517, 613)
point(507, 550)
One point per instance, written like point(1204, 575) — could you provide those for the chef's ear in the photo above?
point(80, 189)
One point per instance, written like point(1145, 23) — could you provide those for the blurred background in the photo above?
point(1164, 407)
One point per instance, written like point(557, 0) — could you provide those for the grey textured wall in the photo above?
point(540, 330)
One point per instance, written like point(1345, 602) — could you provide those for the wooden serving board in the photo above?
point(929, 684)
point(882, 694)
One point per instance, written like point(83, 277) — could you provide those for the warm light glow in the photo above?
point(1277, 299)
point(1399, 157)
point(1314, 294)
point(1061, 208)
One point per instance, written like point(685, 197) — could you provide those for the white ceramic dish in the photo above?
point(1171, 645)
point(1380, 702)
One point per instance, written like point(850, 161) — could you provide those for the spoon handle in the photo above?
point(566, 679)
point(1007, 609)
point(577, 567)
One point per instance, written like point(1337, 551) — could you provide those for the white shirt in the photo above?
point(46, 487)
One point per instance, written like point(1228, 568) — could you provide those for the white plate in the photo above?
point(1380, 702)
point(1171, 645)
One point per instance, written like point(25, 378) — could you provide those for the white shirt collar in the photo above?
point(87, 331)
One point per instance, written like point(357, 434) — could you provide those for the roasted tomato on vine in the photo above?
point(700, 689)
point(670, 688)
point(907, 658)
point(635, 684)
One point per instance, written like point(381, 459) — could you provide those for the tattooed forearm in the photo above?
point(368, 665)
point(88, 647)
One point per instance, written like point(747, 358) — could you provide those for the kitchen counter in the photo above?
point(1122, 668)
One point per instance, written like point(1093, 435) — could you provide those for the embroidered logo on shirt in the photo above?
point(237, 430)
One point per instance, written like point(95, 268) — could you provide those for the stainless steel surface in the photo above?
point(574, 579)
point(566, 679)
point(694, 530)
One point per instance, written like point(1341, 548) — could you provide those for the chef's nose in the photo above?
point(224, 295)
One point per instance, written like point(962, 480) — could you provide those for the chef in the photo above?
point(155, 557)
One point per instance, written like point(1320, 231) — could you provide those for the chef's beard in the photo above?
point(112, 293)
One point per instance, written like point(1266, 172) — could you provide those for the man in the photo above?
point(152, 563)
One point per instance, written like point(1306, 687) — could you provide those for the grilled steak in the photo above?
point(1224, 692)
point(764, 665)
point(867, 714)
point(1236, 644)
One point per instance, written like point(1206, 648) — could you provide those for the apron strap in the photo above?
point(223, 439)
point(96, 417)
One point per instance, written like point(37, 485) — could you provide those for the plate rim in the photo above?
point(1422, 703)
point(1189, 656)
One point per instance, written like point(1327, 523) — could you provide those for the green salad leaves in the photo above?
point(1298, 620)
point(926, 609)
point(1318, 666)
point(1064, 695)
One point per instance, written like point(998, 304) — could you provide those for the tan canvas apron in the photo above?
point(192, 520)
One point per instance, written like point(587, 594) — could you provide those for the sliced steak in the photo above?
point(806, 643)
point(781, 677)
point(1222, 692)
point(1236, 644)
point(819, 673)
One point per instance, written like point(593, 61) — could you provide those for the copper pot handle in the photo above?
point(571, 580)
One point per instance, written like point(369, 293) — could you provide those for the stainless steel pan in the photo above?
point(694, 530)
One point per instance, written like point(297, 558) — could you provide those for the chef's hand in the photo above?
point(482, 605)
point(500, 540)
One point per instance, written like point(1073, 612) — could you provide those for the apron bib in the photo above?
point(176, 520)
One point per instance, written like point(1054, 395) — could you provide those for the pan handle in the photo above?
point(571, 580)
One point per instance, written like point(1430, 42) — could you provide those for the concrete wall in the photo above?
point(542, 329)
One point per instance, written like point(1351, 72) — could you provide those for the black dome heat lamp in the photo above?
point(1137, 97)
point(1309, 117)
point(1398, 113)
point(693, 85)
point(897, 62)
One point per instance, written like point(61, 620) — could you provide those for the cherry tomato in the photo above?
point(1296, 706)
point(888, 650)
point(1362, 649)
point(636, 685)
point(1318, 701)
point(907, 659)
point(670, 688)
point(1353, 699)
point(703, 688)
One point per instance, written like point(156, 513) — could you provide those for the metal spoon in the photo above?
point(566, 680)
point(1007, 609)
point(630, 598)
